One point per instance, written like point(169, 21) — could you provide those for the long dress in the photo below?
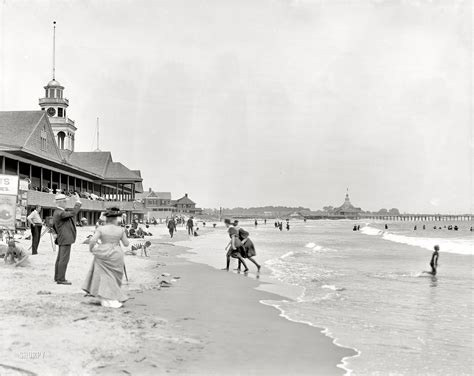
point(104, 278)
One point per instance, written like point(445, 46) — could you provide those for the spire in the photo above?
point(54, 50)
point(97, 130)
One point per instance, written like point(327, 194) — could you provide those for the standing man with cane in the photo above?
point(36, 224)
point(65, 227)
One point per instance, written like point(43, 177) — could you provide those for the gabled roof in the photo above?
point(117, 171)
point(164, 195)
point(94, 161)
point(16, 126)
point(185, 200)
point(22, 130)
point(138, 185)
point(160, 195)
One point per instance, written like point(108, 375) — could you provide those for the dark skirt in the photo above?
point(235, 253)
point(249, 249)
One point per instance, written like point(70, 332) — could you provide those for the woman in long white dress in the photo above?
point(104, 279)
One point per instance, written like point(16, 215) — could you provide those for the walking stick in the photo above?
point(125, 272)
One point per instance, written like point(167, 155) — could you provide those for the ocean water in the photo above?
point(367, 289)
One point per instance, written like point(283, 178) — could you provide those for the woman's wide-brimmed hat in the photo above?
point(113, 212)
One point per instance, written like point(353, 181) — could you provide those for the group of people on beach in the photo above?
point(104, 278)
point(279, 225)
point(172, 223)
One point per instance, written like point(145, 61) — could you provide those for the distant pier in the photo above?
point(419, 217)
point(396, 217)
point(362, 216)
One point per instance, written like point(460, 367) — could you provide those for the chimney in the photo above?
point(185, 195)
point(149, 189)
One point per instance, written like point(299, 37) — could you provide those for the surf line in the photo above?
point(344, 364)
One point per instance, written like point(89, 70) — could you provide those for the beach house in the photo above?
point(185, 205)
point(156, 205)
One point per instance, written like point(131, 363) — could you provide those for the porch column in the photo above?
point(3, 165)
point(31, 173)
point(67, 183)
point(116, 191)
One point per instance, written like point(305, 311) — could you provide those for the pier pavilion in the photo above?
point(30, 149)
point(39, 148)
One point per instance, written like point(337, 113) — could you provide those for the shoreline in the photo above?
point(335, 354)
point(205, 321)
point(282, 291)
point(344, 364)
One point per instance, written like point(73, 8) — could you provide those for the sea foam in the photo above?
point(458, 246)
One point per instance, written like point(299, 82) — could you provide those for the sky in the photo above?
point(271, 102)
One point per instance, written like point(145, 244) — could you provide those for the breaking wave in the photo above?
point(457, 246)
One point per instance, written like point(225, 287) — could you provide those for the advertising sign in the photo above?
point(8, 185)
point(24, 184)
point(7, 211)
point(8, 201)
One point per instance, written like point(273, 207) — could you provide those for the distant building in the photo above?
point(156, 204)
point(185, 205)
point(159, 205)
point(347, 210)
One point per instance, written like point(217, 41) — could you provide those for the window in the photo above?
point(51, 93)
point(61, 137)
point(44, 137)
point(60, 112)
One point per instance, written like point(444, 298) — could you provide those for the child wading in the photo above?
point(234, 248)
point(248, 248)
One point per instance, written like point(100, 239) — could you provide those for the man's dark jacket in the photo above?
point(65, 225)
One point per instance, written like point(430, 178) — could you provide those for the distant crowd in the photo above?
point(74, 193)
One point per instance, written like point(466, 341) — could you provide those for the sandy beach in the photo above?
point(207, 322)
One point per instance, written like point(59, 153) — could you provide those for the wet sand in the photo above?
point(207, 322)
